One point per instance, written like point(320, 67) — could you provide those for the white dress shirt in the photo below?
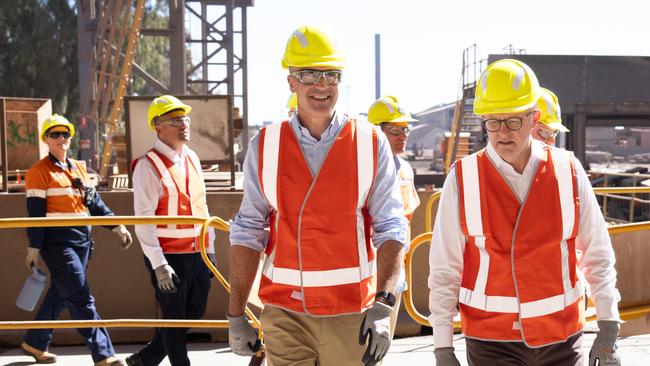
point(148, 190)
point(448, 245)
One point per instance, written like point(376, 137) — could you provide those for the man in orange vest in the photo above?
point(394, 120)
point(509, 222)
point(322, 201)
point(550, 119)
point(57, 186)
point(168, 181)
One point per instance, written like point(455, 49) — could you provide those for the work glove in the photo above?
point(376, 325)
point(167, 279)
point(32, 258)
point(124, 235)
point(604, 350)
point(88, 192)
point(445, 356)
point(242, 337)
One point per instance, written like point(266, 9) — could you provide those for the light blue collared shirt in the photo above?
point(250, 226)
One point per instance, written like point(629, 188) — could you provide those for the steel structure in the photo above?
point(207, 55)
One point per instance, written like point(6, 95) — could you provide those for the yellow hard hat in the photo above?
point(387, 109)
point(506, 86)
point(56, 120)
point(164, 104)
point(551, 114)
point(292, 102)
point(309, 46)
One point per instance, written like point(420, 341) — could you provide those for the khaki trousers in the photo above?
point(295, 339)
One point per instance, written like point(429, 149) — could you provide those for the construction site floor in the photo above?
point(635, 351)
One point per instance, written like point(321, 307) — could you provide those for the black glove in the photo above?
point(88, 192)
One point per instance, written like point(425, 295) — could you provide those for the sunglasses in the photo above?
point(176, 122)
point(397, 131)
point(311, 77)
point(57, 134)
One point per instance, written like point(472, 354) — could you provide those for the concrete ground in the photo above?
point(635, 351)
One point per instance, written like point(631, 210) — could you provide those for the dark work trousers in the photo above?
point(188, 302)
point(481, 353)
point(69, 288)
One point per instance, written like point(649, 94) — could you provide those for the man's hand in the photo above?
point(604, 350)
point(242, 337)
point(376, 325)
point(445, 356)
point(124, 235)
point(32, 258)
point(167, 279)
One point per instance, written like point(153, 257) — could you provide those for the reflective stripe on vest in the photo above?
point(303, 283)
point(475, 205)
point(181, 197)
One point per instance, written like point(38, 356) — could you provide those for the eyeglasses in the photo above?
point(547, 134)
point(397, 131)
point(176, 122)
point(513, 124)
point(311, 77)
point(57, 134)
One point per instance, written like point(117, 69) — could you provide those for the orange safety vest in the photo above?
point(320, 258)
point(181, 197)
point(48, 181)
point(519, 279)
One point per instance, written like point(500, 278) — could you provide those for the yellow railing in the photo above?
point(215, 222)
point(424, 238)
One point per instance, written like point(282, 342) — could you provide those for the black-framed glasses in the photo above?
point(57, 134)
point(311, 77)
point(177, 122)
point(547, 134)
point(397, 130)
point(513, 123)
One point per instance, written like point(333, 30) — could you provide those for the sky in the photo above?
point(422, 42)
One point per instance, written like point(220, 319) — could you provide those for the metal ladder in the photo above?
point(465, 122)
point(118, 27)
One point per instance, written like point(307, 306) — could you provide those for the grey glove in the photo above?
point(376, 325)
point(445, 356)
point(167, 279)
point(32, 258)
point(124, 235)
point(604, 350)
point(242, 337)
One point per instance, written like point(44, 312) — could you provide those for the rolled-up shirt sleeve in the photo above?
point(385, 203)
point(250, 228)
point(597, 262)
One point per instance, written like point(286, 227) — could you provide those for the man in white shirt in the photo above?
point(168, 181)
point(509, 222)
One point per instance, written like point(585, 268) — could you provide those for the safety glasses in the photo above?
point(176, 122)
point(513, 124)
point(397, 131)
point(546, 134)
point(57, 134)
point(311, 77)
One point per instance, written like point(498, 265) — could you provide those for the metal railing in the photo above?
point(215, 222)
point(607, 191)
point(424, 238)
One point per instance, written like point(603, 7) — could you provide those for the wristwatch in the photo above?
point(388, 297)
